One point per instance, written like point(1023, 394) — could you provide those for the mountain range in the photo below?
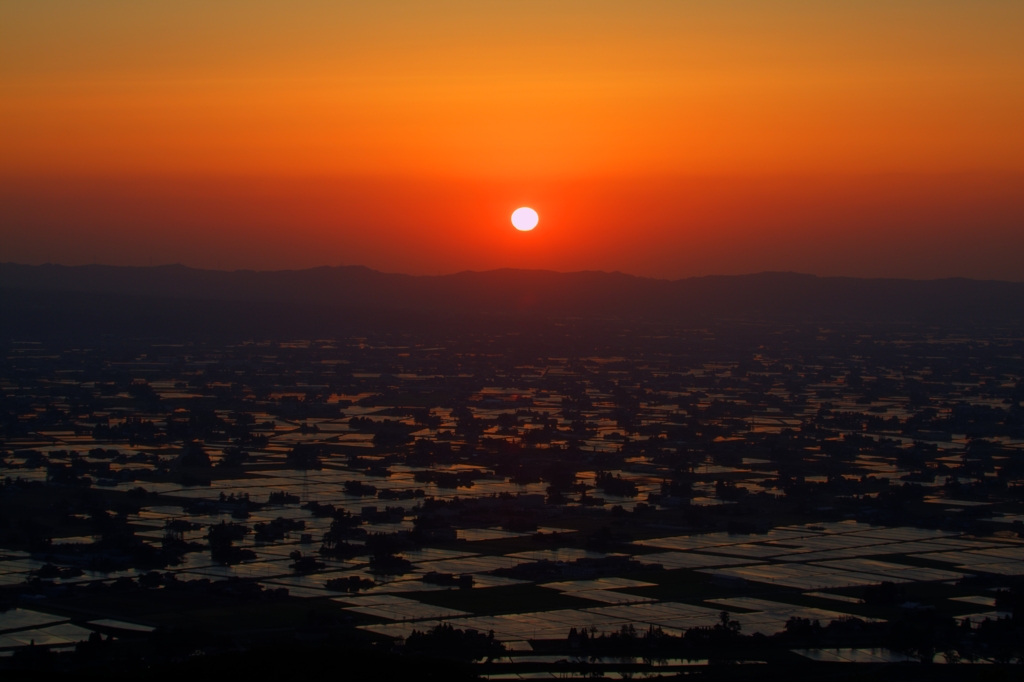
point(593, 295)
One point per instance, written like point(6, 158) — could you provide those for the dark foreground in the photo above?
point(510, 497)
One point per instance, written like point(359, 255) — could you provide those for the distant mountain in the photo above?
point(770, 295)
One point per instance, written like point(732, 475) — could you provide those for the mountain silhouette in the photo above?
point(28, 291)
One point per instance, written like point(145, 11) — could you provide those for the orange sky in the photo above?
point(665, 138)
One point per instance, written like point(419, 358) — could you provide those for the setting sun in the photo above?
point(524, 219)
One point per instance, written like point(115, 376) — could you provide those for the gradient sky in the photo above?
point(664, 138)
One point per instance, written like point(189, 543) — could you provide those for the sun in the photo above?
point(524, 219)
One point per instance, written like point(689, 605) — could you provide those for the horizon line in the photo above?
point(759, 273)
